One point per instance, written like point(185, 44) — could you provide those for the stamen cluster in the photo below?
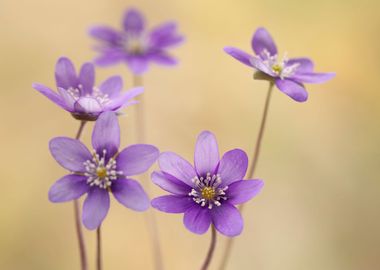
point(96, 94)
point(279, 67)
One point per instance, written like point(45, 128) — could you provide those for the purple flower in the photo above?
point(78, 95)
point(104, 171)
point(207, 192)
point(134, 44)
point(289, 75)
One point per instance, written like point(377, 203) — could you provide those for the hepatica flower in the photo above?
point(208, 192)
point(78, 95)
point(134, 44)
point(289, 74)
point(101, 172)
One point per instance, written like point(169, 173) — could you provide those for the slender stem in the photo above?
point(255, 158)
point(211, 249)
point(150, 216)
point(98, 249)
point(78, 225)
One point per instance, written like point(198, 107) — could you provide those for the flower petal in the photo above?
point(137, 158)
point(261, 41)
point(233, 166)
point(138, 64)
point(178, 167)
point(124, 99)
point(87, 105)
point(239, 55)
point(292, 89)
point(163, 59)
point(50, 94)
point(304, 64)
point(258, 63)
point(112, 86)
point(197, 219)
point(227, 219)
point(206, 156)
point(69, 187)
point(69, 153)
point(65, 74)
point(87, 78)
point(95, 208)
point(312, 77)
point(109, 57)
point(130, 193)
point(244, 190)
point(106, 134)
point(67, 99)
point(172, 203)
point(170, 184)
point(133, 21)
point(164, 35)
point(105, 33)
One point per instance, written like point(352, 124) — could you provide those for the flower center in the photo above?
point(207, 191)
point(277, 69)
point(101, 173)
point(279, 66)
point(97, 94)
point(135, 45)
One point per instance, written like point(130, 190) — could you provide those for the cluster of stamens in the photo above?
point(99, 172)
point(96, 94)
point(134, 44)
point(207, 191)
point(278, 66)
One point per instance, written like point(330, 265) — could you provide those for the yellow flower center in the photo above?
point(277, 68)
point(134, 46)
point(208, 193)
point(101, 172)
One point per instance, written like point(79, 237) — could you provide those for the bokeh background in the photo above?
point(320, 159)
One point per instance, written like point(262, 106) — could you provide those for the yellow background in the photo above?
point(320, 159)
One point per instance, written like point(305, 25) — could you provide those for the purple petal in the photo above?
point(304, 64)
point(176, 166)
point(137, 159)
point(261, 41)
point(165, 35)
point(244, 190)
point(65, 74)
point(69, 153)
point(68, 99)
point(87, 105)
point(206, 156)
point(69, 187)
point(170, 184)
point(227, 219)
point(163, 59)
point(239, 55)
point(172, 204)
point(87, 78)
point(124, 99)
point(292, 89)
point(138, 64)
point(197, 219)
point(233, 166)
point(109, 57)
point(130, 193)
point(312, 77)
point(106, 134)
point(257, 63)
point(95, 208)
point(50, 94)
point(105, 33)
point(112, 86)
point(133, 21)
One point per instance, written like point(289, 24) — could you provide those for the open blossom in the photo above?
point(208, 192)
point(134, 44)
point(289, 75)
point(78, 95)
point(104, 171)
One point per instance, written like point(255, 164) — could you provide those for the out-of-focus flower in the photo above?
point(207, 192)
point(78, 95)
point(289, 75)
point(135, 45)
point(102, 172)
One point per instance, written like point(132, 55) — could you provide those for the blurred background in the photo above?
point(320, 159)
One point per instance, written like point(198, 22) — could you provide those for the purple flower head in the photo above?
point(289, 75)
point(134, 44)
point(78, 95)
point(102, 172)
point(207, 192)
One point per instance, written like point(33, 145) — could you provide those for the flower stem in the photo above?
point(255, 158)
point(150, 216)
point(99, 249)
point(78, 225)
point(211, 249)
